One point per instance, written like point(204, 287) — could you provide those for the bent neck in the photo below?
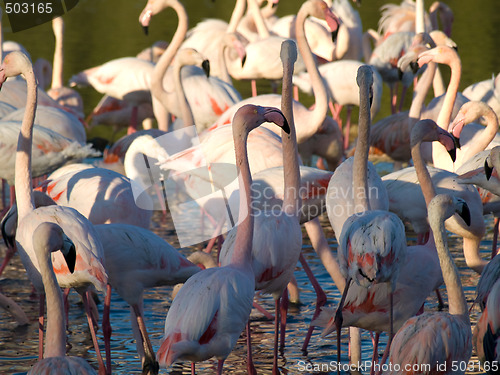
point(318, 114)
point(187, 114)
point(165, 60)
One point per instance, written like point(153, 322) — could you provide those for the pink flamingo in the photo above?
point(223, 296)
point(474, 137)
point(369, 309)
point(485, 177)
point(137, 259)
point(372, 242)
point(49, 239)
point(277, 241)
point(308, 122)
point(486, 91)
point(89, 270)
point(217, 94)
point(436, 338)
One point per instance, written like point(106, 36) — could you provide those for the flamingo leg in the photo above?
point(375, 352)
point(150, 366)
point(220, 365)
point(440, 300)
point(85, 297)
point(276, 334)
point(250, 366)
point(41, 312)
point(193, 368)
point(106, 328)
point(394, 98)
point(66, 305)
point(11, 250)
point(132, 128)
point(494, 249)
point(320, 299)
point(339, 319)
point(254, 87)
point(283, 315)
point(266, 313)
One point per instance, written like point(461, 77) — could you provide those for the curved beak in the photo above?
point(275, 115)
point(206, 67)
point(487, 169)
point(464, 213)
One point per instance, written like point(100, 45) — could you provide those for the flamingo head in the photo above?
point(152, 8)
point(14, 64)
point(252, 116)
point(492, 161)
point(428, 131)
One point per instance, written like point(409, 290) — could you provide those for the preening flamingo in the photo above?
point(89, 270)
point(277, 241)
point(137, 259)
point(48, 238)
point(438, 338)
point(223, 296)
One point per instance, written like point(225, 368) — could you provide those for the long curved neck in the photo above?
point(424, 178)
point(24, 191)
point(57, 68)
point(260, 24)
point(360, 164)
point(165, 60)
point(221, 59)
point(419, 16)
point(291, 200)
point(55, 340)
point(243, 244)
point(236, 16)
point(456, 298)
point(421, 90)
point(187, 114)
point(487, 134)
point(318, 114)
point(444, 116)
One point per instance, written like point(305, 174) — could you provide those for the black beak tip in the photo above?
point(70, 258)
point(243, 60)
point(400, 74)
point(487, 170)
point(465, 214)
point(414, 67)
point(146, 30)
point(453, 154)
point(456, 141)
point(334, 35)
point(206, 67)
point(286, 127)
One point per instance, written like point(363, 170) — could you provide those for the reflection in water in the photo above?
point(19, 345)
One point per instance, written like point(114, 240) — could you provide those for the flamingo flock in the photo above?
point(231, 199)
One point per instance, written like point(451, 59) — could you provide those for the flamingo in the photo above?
point(126, 78)
point(308, 122)
point(485, 177)
point(223, 296)
point(217, 94)
point(436, 338)
point(372, 242)
point(277, 241)
point(49, 238)
point(420, 273)
point(137, 259)
point(69, 98)
point(486, 333)
point(89, 270)
point(473, 137)
point(60, 121)
point(339, 77)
